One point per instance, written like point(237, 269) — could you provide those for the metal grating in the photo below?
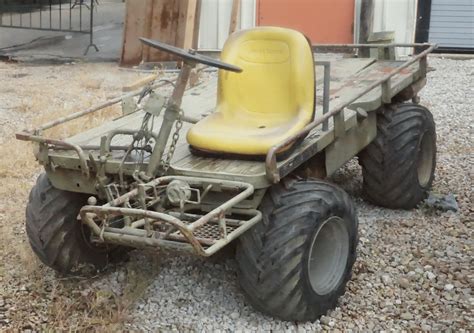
point(211, 231)
point(208, 232)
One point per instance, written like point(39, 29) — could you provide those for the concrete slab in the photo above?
point(39, 45)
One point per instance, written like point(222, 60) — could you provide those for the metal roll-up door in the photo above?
point(452, 24)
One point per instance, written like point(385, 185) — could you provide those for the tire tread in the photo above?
point(389, 163)
point(270, 255)
point(53, 231)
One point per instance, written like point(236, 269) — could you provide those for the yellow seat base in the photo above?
point(271, 100)
point(246, 134)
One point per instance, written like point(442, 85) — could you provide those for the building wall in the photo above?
point(393, 15)
point(322, 21)
point(452, 23)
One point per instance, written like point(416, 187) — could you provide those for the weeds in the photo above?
point(37, 299)
point(99, 309)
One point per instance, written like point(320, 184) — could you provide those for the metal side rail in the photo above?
point(271, 167)
point(142, 226)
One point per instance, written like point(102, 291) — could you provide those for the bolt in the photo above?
point(92, 201)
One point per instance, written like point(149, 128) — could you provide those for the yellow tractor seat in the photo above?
point(272, 99)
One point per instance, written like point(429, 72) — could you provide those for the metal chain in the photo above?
point(174, 141)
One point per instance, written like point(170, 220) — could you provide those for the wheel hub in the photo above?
point(425, 160)
point(328, 255)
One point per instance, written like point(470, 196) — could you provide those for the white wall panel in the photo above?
point(398, 16)
point(392, 15)
point(215, 20)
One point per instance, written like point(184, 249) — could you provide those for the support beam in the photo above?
point(366, 20)
point(234, 16)
point(366, 25)
point(186, 23)
point(197, 24)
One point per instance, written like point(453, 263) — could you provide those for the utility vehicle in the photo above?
point(244, 157)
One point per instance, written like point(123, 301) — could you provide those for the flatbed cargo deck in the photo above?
point(348, 77)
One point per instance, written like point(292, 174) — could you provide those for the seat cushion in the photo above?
point(243, 133)
point(271, 100)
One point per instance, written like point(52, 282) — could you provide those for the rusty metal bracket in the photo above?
point(386, 87)
point(24, 136)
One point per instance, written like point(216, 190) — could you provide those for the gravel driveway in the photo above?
point(414, 268)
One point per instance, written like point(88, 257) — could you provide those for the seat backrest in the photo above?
point(278, 74)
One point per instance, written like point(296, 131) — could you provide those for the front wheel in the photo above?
point(295, 264)
point(57, 237)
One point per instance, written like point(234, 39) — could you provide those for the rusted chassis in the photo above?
point(178, 233)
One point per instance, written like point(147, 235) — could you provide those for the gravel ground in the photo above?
point(414, 268)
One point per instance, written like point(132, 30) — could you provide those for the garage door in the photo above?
point(452, 23)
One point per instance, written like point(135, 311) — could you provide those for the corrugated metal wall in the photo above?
point(452, 23)
point(215, 20)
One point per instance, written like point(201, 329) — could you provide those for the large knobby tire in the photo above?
point(295, 264)
point(57, 237)
point(398, 166)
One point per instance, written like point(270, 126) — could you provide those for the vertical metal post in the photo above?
point(326, 89)
point(169, 118)
point(91, 23)
point(60, 15)
point(80, 17)
point(50, 15)
point(338, 119)
point(70, 14)
point(91, 30)
point(41, 14)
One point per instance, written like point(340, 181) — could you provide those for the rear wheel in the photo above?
point(56, 236)
point(295, 264)
point(398, 166)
